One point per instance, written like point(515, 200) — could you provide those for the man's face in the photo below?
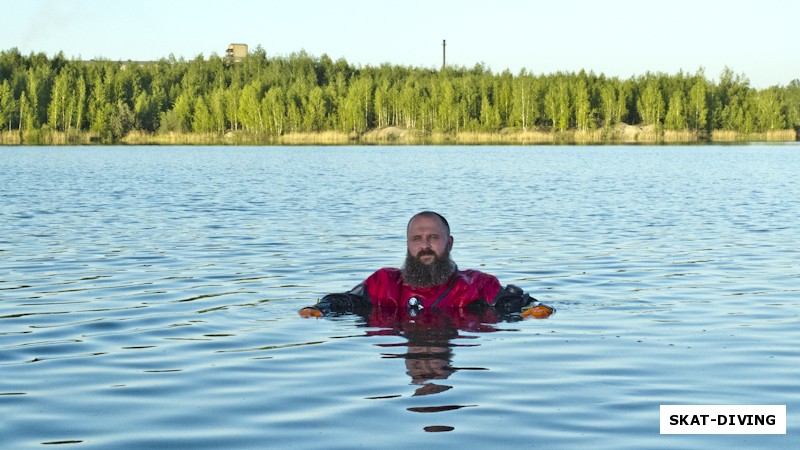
point(427, 239)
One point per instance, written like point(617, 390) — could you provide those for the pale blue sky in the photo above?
point(759, 39)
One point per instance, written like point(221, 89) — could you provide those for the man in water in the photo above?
point(430, 279)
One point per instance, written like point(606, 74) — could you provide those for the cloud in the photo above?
point(52, 20)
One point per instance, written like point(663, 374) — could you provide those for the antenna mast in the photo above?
point(444, 60)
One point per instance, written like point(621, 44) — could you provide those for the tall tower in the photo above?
point(444, 59)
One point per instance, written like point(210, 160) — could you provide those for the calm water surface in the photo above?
point(149, 295)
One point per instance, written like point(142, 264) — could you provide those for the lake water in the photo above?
point(149, 295)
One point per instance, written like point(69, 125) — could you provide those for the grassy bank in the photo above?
point(624, 134)
point(43, 137)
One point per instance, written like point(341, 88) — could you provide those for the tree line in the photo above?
point(300, 93)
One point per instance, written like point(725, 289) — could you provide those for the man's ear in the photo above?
point(450, 244)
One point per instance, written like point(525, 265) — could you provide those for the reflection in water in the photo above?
point(431, 336)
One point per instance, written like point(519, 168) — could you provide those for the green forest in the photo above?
point(269, 99)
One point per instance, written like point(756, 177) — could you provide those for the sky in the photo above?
point(618, 38)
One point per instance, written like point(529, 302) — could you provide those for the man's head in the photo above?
point(429, 243)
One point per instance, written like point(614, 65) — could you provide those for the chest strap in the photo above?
point(447, 291)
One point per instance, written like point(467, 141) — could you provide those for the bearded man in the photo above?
point(429, 279)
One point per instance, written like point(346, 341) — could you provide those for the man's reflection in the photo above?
point(431, 335)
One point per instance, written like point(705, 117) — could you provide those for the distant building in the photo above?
point(236, 52)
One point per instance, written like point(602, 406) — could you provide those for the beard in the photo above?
point(418, 274)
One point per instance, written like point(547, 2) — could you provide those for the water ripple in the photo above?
point(158, 288)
